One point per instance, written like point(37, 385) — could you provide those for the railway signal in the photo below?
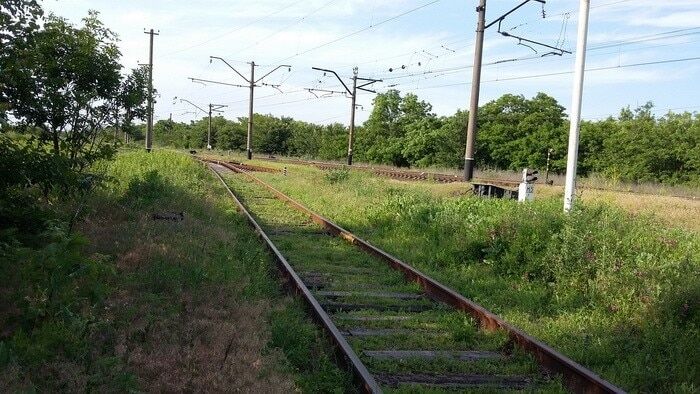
point(353, 96)
point(526, 189)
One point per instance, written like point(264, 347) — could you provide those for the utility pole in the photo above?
point(149, 131)
point(249, 138)
point(476, 84)
point(472, 126)
point(353, 107)
point(577, 96)
point(353, 96)
point(116, 125)
point(252, 84)
point(212, 108)
point(216, 108)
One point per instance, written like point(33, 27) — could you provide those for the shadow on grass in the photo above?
point(188, 304)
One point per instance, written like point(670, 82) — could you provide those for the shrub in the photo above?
point(337, 175)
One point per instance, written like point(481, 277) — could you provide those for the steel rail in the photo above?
point(448, 178)
point(397, 174)
point(364, 377)
point(576, 377)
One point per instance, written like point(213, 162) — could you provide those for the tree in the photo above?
point(305, 140)
point(271, 134)
point(231, 135)
point(515, 132)
point(333, 142)
point(65, 85)
point(131, 100)
point(18, 24)
point(382, 138)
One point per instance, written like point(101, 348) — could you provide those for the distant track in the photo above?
point(409, 175)
point(389, 321)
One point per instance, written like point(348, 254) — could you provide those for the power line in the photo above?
point(235, 30)
point(256, 43)
point(297, 101)
point(565, 72)
point(360, 30)
point(451, 70)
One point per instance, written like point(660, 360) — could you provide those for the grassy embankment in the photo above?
point(616, 291)
point(138, 304)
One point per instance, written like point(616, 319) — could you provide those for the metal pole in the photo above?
point(352, 115)
point(546, 176)
point(209, 130)
point(116, 126)
point(249, 143)
point(572, 157)
point(149, 131)
point(474, 103)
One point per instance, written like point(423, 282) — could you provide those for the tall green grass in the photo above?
point(75, 302)
point(619, 293)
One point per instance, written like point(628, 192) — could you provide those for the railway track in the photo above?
point(395, 174)
point(395, 327)
point(409, 175)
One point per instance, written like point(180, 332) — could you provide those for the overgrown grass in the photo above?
point(146, 305)
point(619, 293)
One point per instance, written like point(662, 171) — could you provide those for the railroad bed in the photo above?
point(395, 334)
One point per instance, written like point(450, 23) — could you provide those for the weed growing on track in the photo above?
point(619, 293)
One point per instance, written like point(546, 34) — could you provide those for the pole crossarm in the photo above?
point(336, 75)
point(560, 50)
point(502, 17)
point(200, 80)
point(273, 70)
point(192, 104)
point(229, 66)
point(330, 92)
point(367, 90)
point(217, 107)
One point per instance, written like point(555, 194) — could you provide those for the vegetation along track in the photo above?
point(395, 327)
point(405, 175)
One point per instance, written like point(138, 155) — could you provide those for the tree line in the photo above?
point(514, 132)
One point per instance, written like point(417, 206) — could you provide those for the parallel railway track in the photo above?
point(409, 175)
point(394, 326)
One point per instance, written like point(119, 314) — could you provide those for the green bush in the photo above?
point(56, 295)
point(337, 175)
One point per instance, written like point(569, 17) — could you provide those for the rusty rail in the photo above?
point(366, 380)
point(577, 378)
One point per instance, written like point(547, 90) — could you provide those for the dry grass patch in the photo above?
point(214, 343)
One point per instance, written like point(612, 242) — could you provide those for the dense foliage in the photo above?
point(61, 86)
point(514, 132)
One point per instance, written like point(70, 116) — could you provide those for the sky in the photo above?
point(425, 47)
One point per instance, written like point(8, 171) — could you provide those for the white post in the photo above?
point(572, 157)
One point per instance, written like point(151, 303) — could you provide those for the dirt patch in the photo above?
point(213, 344)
